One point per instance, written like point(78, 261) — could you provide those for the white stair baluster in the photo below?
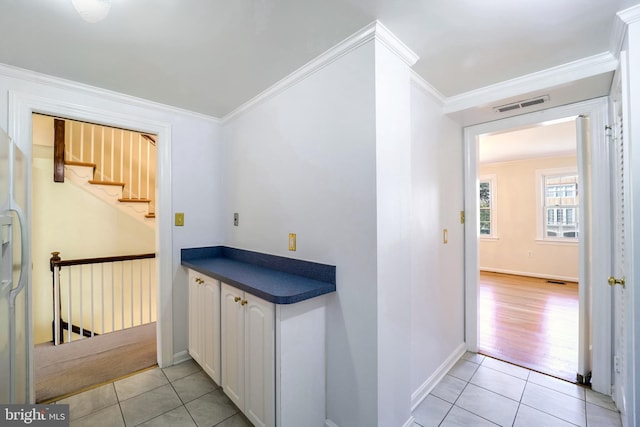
point(130, 165)
point(139, 165)
point(81, 302)
point(82, 142)
point(56, 304)
point(102, 155)
point(69, 338)
point(102, 296)
point(93, 136)
point(92, 311)
point(113, 135)
point(113, 299)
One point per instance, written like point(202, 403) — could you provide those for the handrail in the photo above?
point(117, 156)
point(99, 260)
point(149, 138)
point(117, 281)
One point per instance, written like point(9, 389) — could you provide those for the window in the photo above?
point(560, 206)
point(487, 206)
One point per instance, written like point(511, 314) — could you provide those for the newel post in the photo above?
point(58, 150)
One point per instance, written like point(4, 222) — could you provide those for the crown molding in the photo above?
point(555, 76)
point(394, 44)
point(630, 15)
point(426, 87)
point(617, 36)
point(60, 83)
point(373, 31)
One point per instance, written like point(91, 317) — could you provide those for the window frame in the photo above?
point(541, 207)
point(493, 196)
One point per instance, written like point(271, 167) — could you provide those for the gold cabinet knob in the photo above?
point(244, 302)
point(613, 281)
point(236, 299)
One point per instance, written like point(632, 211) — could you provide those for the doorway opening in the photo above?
point(594, 306)
point(98, 217)
point(528, 247)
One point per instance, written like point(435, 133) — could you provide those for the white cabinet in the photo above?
point(248, 354)
point(204, 323)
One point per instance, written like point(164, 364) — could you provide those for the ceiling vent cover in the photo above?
point(521, 104)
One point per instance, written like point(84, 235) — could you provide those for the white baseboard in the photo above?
point(329, 423)
point(528, 274)
point(421, 393)
point(409, 422)
point(180, 357)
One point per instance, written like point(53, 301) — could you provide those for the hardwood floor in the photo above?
point(529, 322)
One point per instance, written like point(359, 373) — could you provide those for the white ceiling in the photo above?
point(211, 56)
point(544, 140)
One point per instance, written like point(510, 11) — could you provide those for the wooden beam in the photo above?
point(58, 150)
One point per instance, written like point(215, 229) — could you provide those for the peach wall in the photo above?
point(516, 249)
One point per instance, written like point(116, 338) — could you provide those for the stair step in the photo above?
point(115, 184)
point(74, 163)
point(150, 215)
point(134, 200)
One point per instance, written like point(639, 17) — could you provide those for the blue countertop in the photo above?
point(275, 279)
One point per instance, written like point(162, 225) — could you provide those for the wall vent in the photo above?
point(521, 104)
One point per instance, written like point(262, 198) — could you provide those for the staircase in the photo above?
point(115, 165)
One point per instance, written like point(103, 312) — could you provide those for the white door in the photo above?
point(584, 288)
point(232, 346)
point(210, 323)
point(620, 215)
point(259, 361)
point(195, 326)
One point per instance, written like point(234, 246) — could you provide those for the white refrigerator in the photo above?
point(15, 336)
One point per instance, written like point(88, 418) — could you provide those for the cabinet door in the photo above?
point(194, 317)
point(259, 405)
point(232, 322)
point(210, 326)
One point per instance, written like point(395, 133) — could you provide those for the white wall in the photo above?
point(367, 171)
point(437, 276)
point(393, 196)
point(194, 162)
point(307, 161)
point(304, 162)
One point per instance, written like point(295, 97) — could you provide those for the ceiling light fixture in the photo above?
point(92, 10)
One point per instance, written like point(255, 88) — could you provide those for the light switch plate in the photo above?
point(292, 241)
point(179, 219)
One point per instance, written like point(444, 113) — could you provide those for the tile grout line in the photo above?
point(462, 391)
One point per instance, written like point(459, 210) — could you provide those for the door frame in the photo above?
point(21, 108)
point(595, 259)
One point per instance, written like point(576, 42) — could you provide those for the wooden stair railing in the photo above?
point(61, 159)
point(59, 325)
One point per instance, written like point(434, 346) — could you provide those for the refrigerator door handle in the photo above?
point(23, 256)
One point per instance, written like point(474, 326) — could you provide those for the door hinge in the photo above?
point(461, 217)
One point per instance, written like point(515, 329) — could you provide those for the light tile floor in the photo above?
point(481, 391)
point(477, 391)
point(181, 395)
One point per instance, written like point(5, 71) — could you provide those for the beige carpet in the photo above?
point(68, 368)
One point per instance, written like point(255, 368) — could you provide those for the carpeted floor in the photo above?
point(68, 368)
